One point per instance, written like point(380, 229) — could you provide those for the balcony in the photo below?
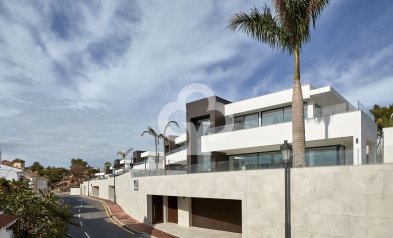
point(177, 150)
point(177, 156)
point(263, 138)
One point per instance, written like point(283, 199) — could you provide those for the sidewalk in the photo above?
point(115, 211)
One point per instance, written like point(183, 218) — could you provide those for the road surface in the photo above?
point(94, 220)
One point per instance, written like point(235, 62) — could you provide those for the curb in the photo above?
point(115, 220)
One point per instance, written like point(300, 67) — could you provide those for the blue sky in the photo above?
point(84, 79)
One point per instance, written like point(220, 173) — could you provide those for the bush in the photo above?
point(38, 215)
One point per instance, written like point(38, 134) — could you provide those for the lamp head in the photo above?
point(286, 151)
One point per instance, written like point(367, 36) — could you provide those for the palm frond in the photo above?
point(144, 132)
point(260, 26)
point(160, 137)
point(150, 131)
point(121, 154)
point(173, 122)
point(128, 151)
point(314, 9)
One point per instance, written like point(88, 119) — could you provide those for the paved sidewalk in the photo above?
point(131, 223)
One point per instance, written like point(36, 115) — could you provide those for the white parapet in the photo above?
point(75, 191)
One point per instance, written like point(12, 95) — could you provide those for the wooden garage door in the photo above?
point(218, 214)
point(172, 209)
point(158, 215)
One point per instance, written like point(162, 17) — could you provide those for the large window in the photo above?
point(255, 161)
point(279, 115)
point(287, 114)
point(319, 156)
point(325, 156)
point(272, 117)
point(246, 121)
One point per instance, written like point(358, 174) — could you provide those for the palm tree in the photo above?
point(123, 155)
point(288, 30)
point(157, 138)
point(166, 139)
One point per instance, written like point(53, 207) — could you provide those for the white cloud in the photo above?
point(367, 78)
point(89, 93)
point(93, 91)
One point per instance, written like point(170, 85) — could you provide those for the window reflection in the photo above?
point(246, 121)
point(319, 156)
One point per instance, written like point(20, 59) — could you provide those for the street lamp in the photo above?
point(286, 156)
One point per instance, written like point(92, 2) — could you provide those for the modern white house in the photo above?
point(10, 173)
point(233, 176)
point(247, 134)
point(176, 153)
point(146, 160)
point(337, 132)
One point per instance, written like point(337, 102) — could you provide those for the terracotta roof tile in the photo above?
point(6, 221)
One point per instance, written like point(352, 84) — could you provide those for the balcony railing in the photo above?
point(184, 147)
point(318, 112)
point(145, 173)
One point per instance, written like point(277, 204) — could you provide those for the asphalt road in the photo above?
point(94, 220)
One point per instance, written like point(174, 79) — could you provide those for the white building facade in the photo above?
point(233, 178)
point(9, 173)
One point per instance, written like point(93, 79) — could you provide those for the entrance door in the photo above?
point(157, 202)
point(172, 209)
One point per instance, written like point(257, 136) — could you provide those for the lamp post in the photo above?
point(286, 156)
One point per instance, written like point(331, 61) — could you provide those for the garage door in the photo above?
point(218, 214)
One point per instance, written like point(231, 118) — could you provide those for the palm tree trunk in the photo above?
point(165, 154)
point(298, 134)
point(156, 160)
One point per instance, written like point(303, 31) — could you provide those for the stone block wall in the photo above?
point(326, 202)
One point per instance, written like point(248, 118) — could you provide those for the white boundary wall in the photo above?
point(347, 201)
point(388, 145)
point(75, 191)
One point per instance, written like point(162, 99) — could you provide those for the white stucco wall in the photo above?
point(6, 234)
point(388, 145)
point(265, 101)
point(9, 173)
point(177, 157)
point(181, 139)
point(340, 201)
point(75, 191)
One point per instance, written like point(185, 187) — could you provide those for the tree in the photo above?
point(107, 165)
point(383, 117)
point(91, 171)
point(54, 175)
point(37, 167)
point(288, 30)
point(78, 168)
point(157, 138)
point(41, 215)
point(166, 139)
point(123, 155)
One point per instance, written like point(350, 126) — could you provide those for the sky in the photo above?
point(83, 79)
